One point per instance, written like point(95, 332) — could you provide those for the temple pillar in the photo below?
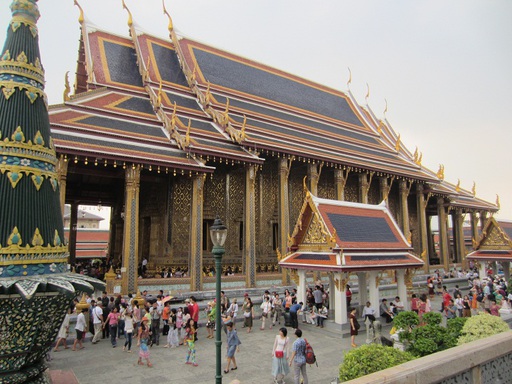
point(195, 261)
point(62, 173)
point(129, 273)
point(314, 171)
point(474, 229)
point(340, 308)
point(363, 288)
point(384, 189)
point(483, 269)
point(458, 232)
point(250, 226)
point(401, 287)
point(73, 220)
point(284, 167)
point(373, 285)
point(332, 299)
point(404, 209)
point(506, 270)
point(340, 180)
point(364, 187)
point(483, 219)
point(301, 287)
point(422, 226)
point(443, 234)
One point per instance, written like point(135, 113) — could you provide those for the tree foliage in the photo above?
point(369, 359)
point(480, 326)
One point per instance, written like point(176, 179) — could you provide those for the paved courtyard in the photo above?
point(102, 363)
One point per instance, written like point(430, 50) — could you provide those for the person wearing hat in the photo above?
point(142, 342)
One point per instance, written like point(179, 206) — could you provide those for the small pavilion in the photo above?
point(341, 238)
point(495, 245)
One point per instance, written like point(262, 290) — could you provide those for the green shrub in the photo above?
point(480, 326)
point(370, 358)
point(432, 318)
point(430, 339)
point(406, 320)
point(455, 326)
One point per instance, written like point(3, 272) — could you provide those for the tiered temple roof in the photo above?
point(183, 105)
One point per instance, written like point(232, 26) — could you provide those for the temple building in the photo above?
point(171, 133)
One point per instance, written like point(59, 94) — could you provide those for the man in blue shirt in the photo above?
point(293, 314)
point(298, 358)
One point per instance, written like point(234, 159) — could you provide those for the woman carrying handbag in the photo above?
point(280, 366)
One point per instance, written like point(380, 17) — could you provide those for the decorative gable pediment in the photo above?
point(494, 238)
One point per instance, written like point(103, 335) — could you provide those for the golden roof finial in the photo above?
point(169, 26)
point(386, 109)
point(367, 93)
point(473, 189)
point(457, 187)
point(349, 78)
point(208, 94)
point(420, 158)
point(81, 17)
point(243, 128)
point(159, 96)
point(397, 145)
point(440, 172)
point(498, 201)
point(379, 128)
point(173, 116)
point(416, 155)
point(187, 137)
point(226, 111)
point(145, 75)
point(130, 18)
point(66, 87)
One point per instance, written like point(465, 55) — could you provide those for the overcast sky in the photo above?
point(444, 67)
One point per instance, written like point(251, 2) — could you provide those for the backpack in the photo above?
point(310, 355)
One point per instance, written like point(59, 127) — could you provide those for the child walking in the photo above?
point(189, 340)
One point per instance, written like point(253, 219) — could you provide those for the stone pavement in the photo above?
point(102, 363)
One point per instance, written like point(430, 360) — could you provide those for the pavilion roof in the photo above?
point(341, 236)
point(495, 244)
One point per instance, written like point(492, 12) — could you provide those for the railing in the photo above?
point(485, 361)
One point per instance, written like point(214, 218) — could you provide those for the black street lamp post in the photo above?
point(218, 233)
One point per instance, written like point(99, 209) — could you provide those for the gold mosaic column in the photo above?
point(422, 225)
point(340, 180)
point(383, 188)
point(458, 231)
point(404, 208)
point(314, 171)
point(474, 228)
point(250, 227)
point(129, 271)
point(443, 233)
point(196, 235)
point(284, 213)
point(62, 172)
point(364, 187)
point(313, 177)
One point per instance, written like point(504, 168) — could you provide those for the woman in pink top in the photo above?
point(494, 309)
point(113, 320)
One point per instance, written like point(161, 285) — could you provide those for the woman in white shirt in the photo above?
point(266, 308)
point(280, 351)
point(80, 328)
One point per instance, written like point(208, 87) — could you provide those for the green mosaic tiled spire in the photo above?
point(31, 226)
